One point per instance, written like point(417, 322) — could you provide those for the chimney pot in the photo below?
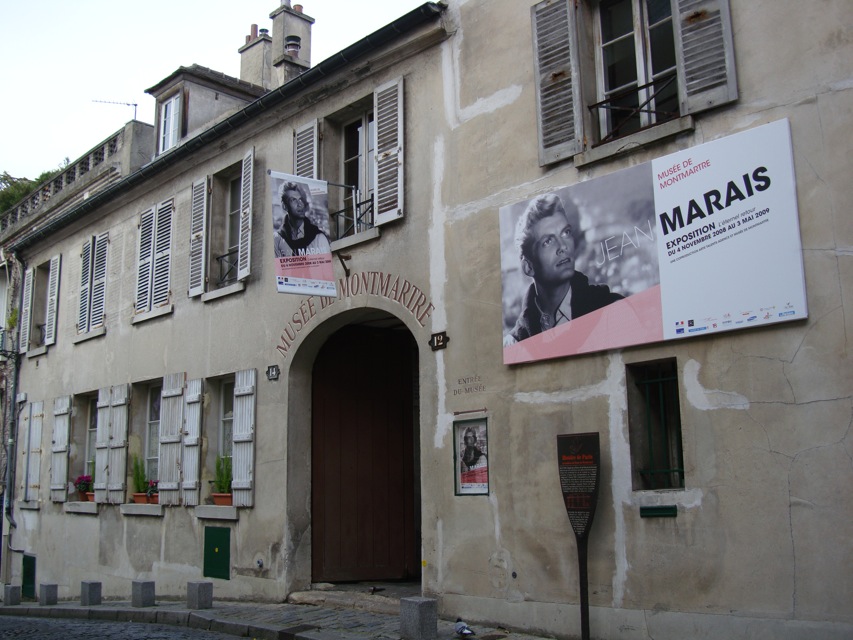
point(254, 32)
point(297, 8)
point(264, 32)
point(292, 45)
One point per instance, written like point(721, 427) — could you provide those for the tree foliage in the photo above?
point(13, 190)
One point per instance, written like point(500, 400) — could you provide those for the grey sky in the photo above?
point(60, 55)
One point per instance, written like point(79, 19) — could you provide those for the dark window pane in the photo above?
point(616, 19)
point(662, 46)
point(620, 64)
point(658, 10)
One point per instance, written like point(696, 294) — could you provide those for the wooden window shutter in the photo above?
point(556, 66)
point(99, 281)
point(388, 185)
point(59, 449)
point(145, 257)
point(52, 301)
point(305, 150)
point(26, 310)
point(191, 482)
point(85, 286)
point(171, 436)
point(33, 451)
point(705, 54)
point(244, 256)
point(161, 272)
point(119, 415)
point(198, 237)
point(243, 437)
point(102, 445)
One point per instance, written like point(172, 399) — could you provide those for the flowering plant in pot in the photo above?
point(83, 483)
point(222, 481)
point(153, 492)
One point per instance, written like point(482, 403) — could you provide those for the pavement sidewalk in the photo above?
point(336, 618)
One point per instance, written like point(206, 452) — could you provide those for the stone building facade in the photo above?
point(149, 328)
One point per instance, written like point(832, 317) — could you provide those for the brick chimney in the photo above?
point(256, 58)
point(291, 43)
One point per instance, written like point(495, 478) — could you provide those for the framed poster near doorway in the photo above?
point(471, 456)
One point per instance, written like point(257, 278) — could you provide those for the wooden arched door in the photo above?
point(365, 494)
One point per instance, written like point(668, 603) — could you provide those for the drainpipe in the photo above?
point(11, 396)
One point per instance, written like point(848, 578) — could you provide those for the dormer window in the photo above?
point(170, 112)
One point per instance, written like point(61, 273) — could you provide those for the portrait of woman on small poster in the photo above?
point(471, 443)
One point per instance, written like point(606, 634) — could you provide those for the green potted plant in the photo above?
point(222, 481)
point(140, 481)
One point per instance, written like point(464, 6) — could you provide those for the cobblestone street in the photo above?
point(67, 629)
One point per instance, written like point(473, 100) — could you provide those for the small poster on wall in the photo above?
point(471, 456)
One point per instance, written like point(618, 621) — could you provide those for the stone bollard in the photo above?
point(419, 618)
point(90, 593)
point(142, 593)
point(48, 594)
point(11, 595)
point(199, 595)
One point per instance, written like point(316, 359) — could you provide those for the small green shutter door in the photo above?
point(28, 579)
point(217, 552)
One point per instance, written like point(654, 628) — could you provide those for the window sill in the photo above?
point(131, 509)
point(28, 505)
point(634, 141)
point(89, 335)
point(682, 498)
point(90, 508)
point(213, 512)
point(358, 238)
point(35, 353)
point(156, 313)
point(231, 289)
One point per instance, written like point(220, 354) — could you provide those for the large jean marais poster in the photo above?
point(700, 241)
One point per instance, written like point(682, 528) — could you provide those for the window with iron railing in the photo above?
point(654, 416)
point(635, 63)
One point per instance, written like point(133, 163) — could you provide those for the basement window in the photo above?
point(654, 424)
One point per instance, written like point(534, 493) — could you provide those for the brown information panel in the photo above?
point(578, 459)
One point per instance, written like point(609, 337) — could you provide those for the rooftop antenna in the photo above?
point(126, 104)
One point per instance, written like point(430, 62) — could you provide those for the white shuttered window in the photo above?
point(243, 450)
point(651, 61)
point(153, 275)
point(171, 435)
point(59, 449)
point(93, 283)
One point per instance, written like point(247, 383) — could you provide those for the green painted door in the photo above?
point(217, 552)
point(28, 579)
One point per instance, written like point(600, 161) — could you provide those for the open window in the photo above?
point(362, 158)
point(607, 69)
point(221, 228)
point(39, 307)
point(169, 122)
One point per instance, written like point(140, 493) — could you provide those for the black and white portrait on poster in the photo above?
point(700, 241)
point(471, 444)
point(300, 217)
point(569, 254)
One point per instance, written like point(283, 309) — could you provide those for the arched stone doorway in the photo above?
point(365, 488)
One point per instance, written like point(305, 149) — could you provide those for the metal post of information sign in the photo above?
point(579, 463)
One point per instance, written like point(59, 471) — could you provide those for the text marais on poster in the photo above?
point(729, 247)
